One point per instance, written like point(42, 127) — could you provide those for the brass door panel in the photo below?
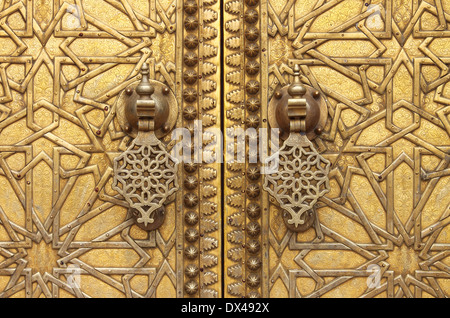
point(64, 232)
point(382, 68)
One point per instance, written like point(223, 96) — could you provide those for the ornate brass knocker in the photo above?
point(302, 175)
point(146, 174)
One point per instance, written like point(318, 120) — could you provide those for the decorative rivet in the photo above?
point(190, 113)
point(190, 182)
point(166, 128)
point(252, 121)
point(190, 200)
point(252, 33)
point(129, 91)
point(253, 104)
point(190, 95)
point(253, 294)
point(251, 3)
point(253, 173)
point(191, 41)
point(191, 287)
point(254, 210)
point(190, 167)
point(190, 59)
point(278, 95)
point(253, 190)
point(191, 235)
point(252, 87)
point(191, 218)
point(254, 263)
point(190, 7)
point(253, 280)
point(191, 252)
point(252, 68)
point(190, 77)
point(253, 229)
point(316, 94)
point(251, 50)
point(251, 16)
point(191, 23)
point(191, 270)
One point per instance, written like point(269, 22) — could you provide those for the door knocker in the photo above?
point(146, 174)
point(302, 175)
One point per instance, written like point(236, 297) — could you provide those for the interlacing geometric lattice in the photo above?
point(301, 179)
point(383, 67)
point(145, 175)
point(63, 67)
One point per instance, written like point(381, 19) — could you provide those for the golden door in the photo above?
point(376, 156)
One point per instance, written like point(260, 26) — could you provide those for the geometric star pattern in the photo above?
point(63, 65)
point(383, 67)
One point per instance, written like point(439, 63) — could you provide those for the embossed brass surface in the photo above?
point(64, 232)
point(381, 67)
point(146, 174)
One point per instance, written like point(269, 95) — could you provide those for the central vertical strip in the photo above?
point(264, 125)
point(210, 172)
point(243, 195)
point(234, 174)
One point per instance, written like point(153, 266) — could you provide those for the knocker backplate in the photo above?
point(274, 102)
point(126, 112)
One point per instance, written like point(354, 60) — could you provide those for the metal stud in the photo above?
point(191, 287)
point(254, 210)
point(190, 77)
point(253, 104)
point(191, 218)
point(191, 270)
point(190, 7)
point(251, 16)
point(252, 87)
point(191, 235)
point(191, 23)
point(252, 33)
point(191, 41)
point(190, 59)
point(191, 252)
point(253, 280)
point(190, 95)
point(190, 182)
point(190, 200)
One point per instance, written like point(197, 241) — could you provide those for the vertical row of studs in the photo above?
point(190, 114)
point(252, 121)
